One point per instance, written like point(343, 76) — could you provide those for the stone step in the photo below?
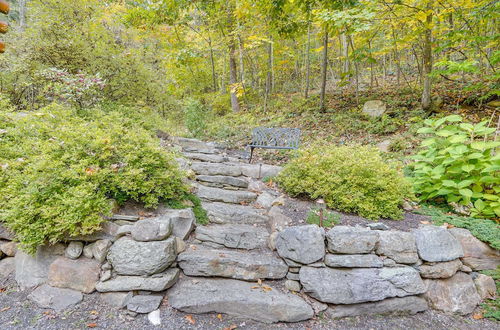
point(231, 213)
point(221, 181)
point(234, 236)
point(202, 168)
point(242, 265)
point(226, 196)
point(242, 299)
point(210, 158)
point(194, 145)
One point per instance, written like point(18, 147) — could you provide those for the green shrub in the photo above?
point(195, 115)
point(59, 173)
point(349, 178)
point(458, 163)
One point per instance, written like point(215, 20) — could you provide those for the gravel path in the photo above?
point(17, 312)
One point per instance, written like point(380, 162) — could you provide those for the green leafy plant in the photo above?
point(61, 173)
point(190, 200)
point(330, 218)
point(492, 306)
point(195, 115)
point(458, 163)
point(349, 178)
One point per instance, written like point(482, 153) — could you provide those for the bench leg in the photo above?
point(251, 155)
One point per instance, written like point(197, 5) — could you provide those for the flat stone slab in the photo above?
point(81, 274)
point(232, 213)
point(357, 285)
point(353, 261)
point(155, 283)
point(351, 240)
point(259, 171)
point(58, 299)
point(398, 245)
point(302, 244)
point(234, 236)
point(243, 265)
point(211, 158)
point(238, 298)
point(221, 181)
point(194, 145)
point(226, 196)
point(201, 168)
point(436, 244)
point(32, 271)
point(129, 257)
point(440, 269)
point(7, 267)
point(144, 304)
point(477, 255)
point(405, 305)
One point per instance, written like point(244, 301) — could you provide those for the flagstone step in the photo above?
point(226, 196)
point(234, 236)
point(232, 213)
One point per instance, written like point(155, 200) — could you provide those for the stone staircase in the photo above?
point(225, 256)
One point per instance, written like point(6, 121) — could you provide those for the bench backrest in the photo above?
point(279, 138)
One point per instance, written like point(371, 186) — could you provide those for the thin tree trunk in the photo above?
point(324, 67)
point(345, 53)
point(427, 65)
point(269, 75)
point(22, 14)
point(233, 76)
point(308, 59)
point(212, 63)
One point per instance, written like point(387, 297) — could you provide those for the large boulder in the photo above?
point(302, 244)
point(249, 266)
point(7, 267)
point(234, 236)
point(404, 305)
point(436, 244)
point(155, 283)
point(477, 255)
point(399, 246)
point(440, 269)
point(58, 299)
point(32, 270)
point(100, 249)
point(351, 240)
point(456, 294)
point(183, 221)
point(238, 298)
point(152, 230)
point(130, 257)
point(353, 261)
point(9, 249)
point(81, 274)
point(374, 108)
point(352, 286)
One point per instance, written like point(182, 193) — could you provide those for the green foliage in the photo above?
point(195, 115)
point(458, 162)
point(330, 218)
point(492, 307)
point(193, 201)
point(59, 172)
point(483, 229)
point(349, 178)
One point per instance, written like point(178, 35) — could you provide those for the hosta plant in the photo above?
point(459, 162)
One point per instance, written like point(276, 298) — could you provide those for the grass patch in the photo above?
point(193, 201)
point(330, 218)
point(484, 229)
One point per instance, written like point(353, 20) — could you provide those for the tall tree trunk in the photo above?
point(22, 14)
point(233, 76)
point(269, 75)
point(308, 59)
point(345, 53)
point(212, 63)
point(324, 67)
point(427, 65)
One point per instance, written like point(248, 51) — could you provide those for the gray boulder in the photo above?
point(144, 304)
point(259, 171)
point(399, 246)
point(249, 266)
point(374, 108)
point(74, 250)
point(404, 305)
point(232, 213)
point(233, 236)
point(302, 244)
point(9, 248)
point(155, 283)
point(456, 294)
point(58, 299)
point(435, 244)
point(226, 196)
point(278, 220)
point(238, 298)
point(486, 287)
point(7, 267)
point(477, 255)
point(352, 286)
point(116, 299)
point(151, 230)
point(88, 251)
point(440, 269)
point(211, 158)
point(81, 275)
point(129, 257)
point(5, 233)
point(351, 240)
point(194, 145)
point(265, 200)
point(100, 249)
point(221, 181)
point(353, 261)
point(32, 271)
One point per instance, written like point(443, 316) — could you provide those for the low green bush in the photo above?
point(349, 178)
point(61, 173)
point(458, 162)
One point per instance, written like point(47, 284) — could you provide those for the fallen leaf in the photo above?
point(94, 312)
point(231, 327)
point(4, 309)
point(259, 281)
point(219, 316)
point(255, 287)
point(190, 319)
point(2, 290)
point(91, 325)
point(477, 316)
point(425, 222)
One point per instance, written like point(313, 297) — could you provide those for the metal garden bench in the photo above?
point(274, 138)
